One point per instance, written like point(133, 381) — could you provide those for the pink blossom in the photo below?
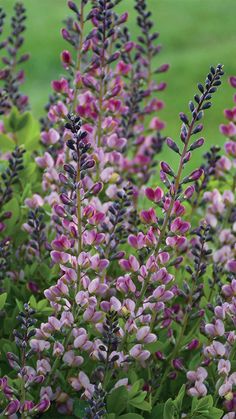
point(139, 353)
point(154, 195)
point(50, 137)
point(224, 366)
point(199, 390)
point(45, 162)
point(148, 216)
point(143, 334)
point(34, 202)
point(131, 264)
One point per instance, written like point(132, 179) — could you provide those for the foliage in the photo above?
point(111, 308)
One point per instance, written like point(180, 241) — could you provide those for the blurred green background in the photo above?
point(194, 34)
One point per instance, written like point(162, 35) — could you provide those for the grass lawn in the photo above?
point(194, 35)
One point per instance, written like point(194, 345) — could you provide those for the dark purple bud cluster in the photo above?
point(26, 324)
point(147, 40)
point(37, 230)
point(5, 252)
point(9, 75)
point(202, 102)
point(110, 340)
point(97, 408)
point(10, 176)
point(119, 218)
point(79, 147)
point(106, 23)
point(200, 252)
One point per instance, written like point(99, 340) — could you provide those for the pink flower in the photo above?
point(199, 375)
point(138, 241)
point(228, 130)
point(60, 86)
point(131, 264)
point(199, 390)
point(232, 81)
point(143, 334)
point(43, 366)
point(118, 143)
point(45, 162)
point(39, 345)
point(34, 202)
point(123, 68)
point(139, 353)
point(156, 124)
point(231, 266)
point(224, 366)
point(230, 290)
point(148, 216)
point(179, 226)
point(154, 195)
point(60, 257)
point(71, 359)
point(50, 137)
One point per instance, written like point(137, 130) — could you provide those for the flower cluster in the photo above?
point(131, 277)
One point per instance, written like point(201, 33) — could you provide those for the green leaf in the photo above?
point(141, 405)
point(131, 416)
point(170, 410)
point(13, 119)
point(79, 408)
point(134, 389)
point(14, 207)
point(139, 397)
point(202, 405)
point(215, 413)
point(3, 299)
point(119, 394)
point(6, 143)
point(157, 411)
point(179, 399)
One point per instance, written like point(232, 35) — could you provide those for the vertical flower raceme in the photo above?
point(9, 75)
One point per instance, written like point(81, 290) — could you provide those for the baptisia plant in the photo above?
point(132, 312)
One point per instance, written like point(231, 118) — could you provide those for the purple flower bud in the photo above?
point(59, 210)
point(184, 118)
point(232, 81)
point(192, 345)
point(42, 406)
point(160, 355)
point(163, 68)
point(187, 157)
point(7, 215)
point(171, 144)
point(66, 57)
point(113, 57)
point(27, 405)
point(12, 407)
point(166, 168)
point(73, 6)
point(88, 165)
point(63, 179)
point(129, 46)
point(196, 174)
point(97, 187)
point(65, 34)
point(33, 287)
point(65, 199)
point(178, 364)
point(197, 144)
point(13, 361)
point(123, 18)
point(188, 193)
point(197, 129)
